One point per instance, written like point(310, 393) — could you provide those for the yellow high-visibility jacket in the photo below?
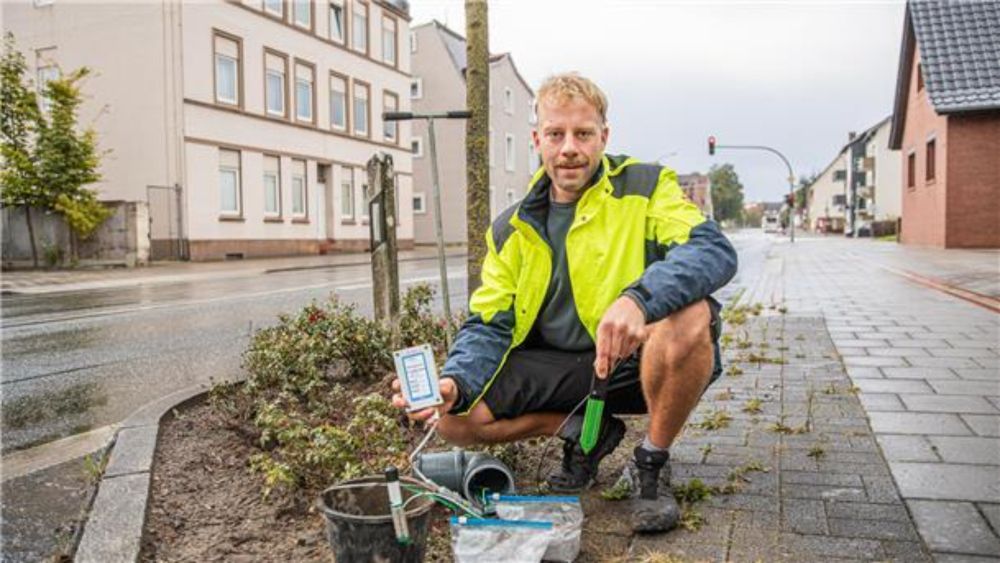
point(634, 234)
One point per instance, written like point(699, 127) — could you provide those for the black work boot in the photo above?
point(578, 469)
point(652, 503)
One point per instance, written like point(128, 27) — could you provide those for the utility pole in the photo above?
point(712, 146)
point(477, 156)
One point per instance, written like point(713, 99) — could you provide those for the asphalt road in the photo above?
point(84, 359)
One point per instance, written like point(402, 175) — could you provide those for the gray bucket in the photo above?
point(359, 525)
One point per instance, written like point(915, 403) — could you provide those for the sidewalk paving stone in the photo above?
point(893, 386)
point(907, 448)
point(948, 403)
point(954, 527)
point(947, 481)
point(959, 449)
point(983, 424)
point(919, 373)
point(956, 387)
point(917, 423)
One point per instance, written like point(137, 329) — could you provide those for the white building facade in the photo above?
point(246, 126)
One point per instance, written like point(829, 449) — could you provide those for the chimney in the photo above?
point(851, 135)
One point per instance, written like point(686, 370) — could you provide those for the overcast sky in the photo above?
point(795, 75)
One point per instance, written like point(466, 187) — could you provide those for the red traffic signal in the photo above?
point(711, 145)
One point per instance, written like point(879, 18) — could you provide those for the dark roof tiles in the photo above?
point(959, 44)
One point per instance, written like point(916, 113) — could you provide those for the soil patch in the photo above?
point(206, 505)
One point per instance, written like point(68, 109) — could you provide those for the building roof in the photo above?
point(455, 45)
point(959, 45)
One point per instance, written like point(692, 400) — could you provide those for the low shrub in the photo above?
point(316, 396)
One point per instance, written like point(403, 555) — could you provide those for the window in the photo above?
point(338, 102)
point(929, 172)
point(304, 91)
point(492, 159)
point(298, 188)
point(508, 157)
point(413, 42)
point(359, 27)
point(46, 74)
point(275, 84)
point(302, 13)
point(419, 203)
point(227, 69)
point(43, 3)
point(416, 89)
point(508, 101)
point(390, 102)
point(389, 40)
point(272, 186)
point(347, 193)
point(337, 20)
point(417, 147)
point(361, 108)
point(229, 182)
point(911, 170)
point(920, 77)
point(275, 7)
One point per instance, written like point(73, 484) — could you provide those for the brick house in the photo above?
point(946, 122)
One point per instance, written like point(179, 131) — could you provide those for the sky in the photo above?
point(793, 75)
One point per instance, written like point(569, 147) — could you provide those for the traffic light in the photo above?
point(790, 200)
point(711, 145)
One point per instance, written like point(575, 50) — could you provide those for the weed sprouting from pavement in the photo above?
point(715, 420)
point(619, 491)
point(734, 371)
point(816, 452)
point(753, 405)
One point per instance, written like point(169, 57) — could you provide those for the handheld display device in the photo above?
point(418, 377)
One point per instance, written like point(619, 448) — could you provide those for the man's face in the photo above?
point(571, 138)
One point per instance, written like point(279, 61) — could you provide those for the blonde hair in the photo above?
point(569, 86)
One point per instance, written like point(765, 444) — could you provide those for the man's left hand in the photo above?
point(621, 332)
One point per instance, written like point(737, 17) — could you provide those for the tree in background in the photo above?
point(67, 159)
point(48, 162)
point(477, 80)
point(727, 193)
point(18, 118)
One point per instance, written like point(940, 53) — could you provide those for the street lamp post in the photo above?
point(438, 229)
point(712, 146)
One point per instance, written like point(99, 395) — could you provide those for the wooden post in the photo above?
point(381, 202)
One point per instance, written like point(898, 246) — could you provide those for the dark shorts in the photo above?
point(550, 380)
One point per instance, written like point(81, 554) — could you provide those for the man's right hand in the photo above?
point(449, 392)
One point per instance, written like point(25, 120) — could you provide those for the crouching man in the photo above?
point(604, 268)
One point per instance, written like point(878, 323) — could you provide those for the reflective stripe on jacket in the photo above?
point(634, 234)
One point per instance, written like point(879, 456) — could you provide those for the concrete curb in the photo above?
point(113, 531)
point(364, 262)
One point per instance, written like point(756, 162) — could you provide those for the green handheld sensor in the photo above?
point(594, 413)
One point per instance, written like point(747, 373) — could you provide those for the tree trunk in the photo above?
point(477, 81)
point(31, 235)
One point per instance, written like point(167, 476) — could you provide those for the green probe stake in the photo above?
point(595, 411)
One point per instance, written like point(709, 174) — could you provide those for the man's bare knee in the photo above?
point(683, 333)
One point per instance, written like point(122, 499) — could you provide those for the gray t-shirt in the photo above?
point(558, 325)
